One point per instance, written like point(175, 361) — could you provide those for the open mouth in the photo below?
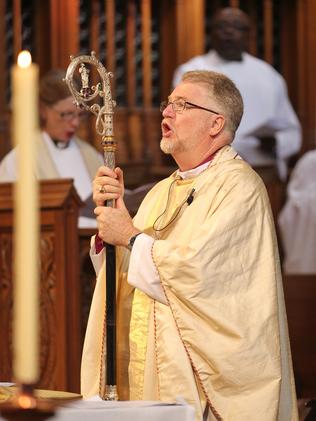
point(69, 134)
point(166, 129)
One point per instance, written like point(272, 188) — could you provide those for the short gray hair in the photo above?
point(225, 93)
point(53, 88)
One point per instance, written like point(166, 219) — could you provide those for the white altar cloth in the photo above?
point(98, 410)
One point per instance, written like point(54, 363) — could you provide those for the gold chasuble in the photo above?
point(222, 341)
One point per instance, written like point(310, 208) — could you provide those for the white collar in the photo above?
point(51, 142)
point(194, 172)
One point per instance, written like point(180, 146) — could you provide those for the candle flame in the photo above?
point(24, 59)
point(26, 402)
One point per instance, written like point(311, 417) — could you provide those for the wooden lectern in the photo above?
point(60, 333)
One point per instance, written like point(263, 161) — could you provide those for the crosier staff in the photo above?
point(104, 127)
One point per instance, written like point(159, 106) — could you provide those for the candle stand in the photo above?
point(25, 406)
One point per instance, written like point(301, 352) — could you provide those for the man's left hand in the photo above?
point(115, 225)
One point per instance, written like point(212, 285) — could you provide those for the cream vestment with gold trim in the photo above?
point(222, 340)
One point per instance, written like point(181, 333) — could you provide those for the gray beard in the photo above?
point(165, 148)
point(169, 147)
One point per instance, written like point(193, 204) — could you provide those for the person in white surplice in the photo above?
point(60, 153)
point(297, 220)
point(269, 132)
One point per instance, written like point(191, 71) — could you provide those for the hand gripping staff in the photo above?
point(88, 98)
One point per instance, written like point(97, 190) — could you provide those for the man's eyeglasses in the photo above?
point(180, 105)
point(71, 115)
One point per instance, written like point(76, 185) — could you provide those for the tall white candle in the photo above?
point(26, 235)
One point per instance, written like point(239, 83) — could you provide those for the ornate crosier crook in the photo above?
point(104, 114)
point(104, 127)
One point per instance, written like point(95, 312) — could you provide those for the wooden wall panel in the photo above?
point(130, 54)
point(306, 65)
point(189, 29)
point(253, 41)
point(42, 37)
point(5, 144)
point(17, 28)
point(65, 30)
point(3, 67)
point(168, 47)
point(268, 30)
point(146, 50)
point(95, 11)
point(110, 34)
point(181, 35)
point(289, 40)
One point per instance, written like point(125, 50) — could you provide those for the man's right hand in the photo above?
point(107, 185)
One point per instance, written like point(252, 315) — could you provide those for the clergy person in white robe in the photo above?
point(268, 112)
point(200, 307)
point(60, 153)
point(297, 220)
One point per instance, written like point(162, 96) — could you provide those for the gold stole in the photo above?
point(166, 211)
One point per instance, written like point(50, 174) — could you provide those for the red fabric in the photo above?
point(208, 159)
point(98, 243)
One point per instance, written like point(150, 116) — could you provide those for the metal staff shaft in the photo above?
point(104, 127)
point(110, 392)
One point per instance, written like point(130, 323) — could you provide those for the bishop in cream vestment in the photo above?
point(220, 339)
